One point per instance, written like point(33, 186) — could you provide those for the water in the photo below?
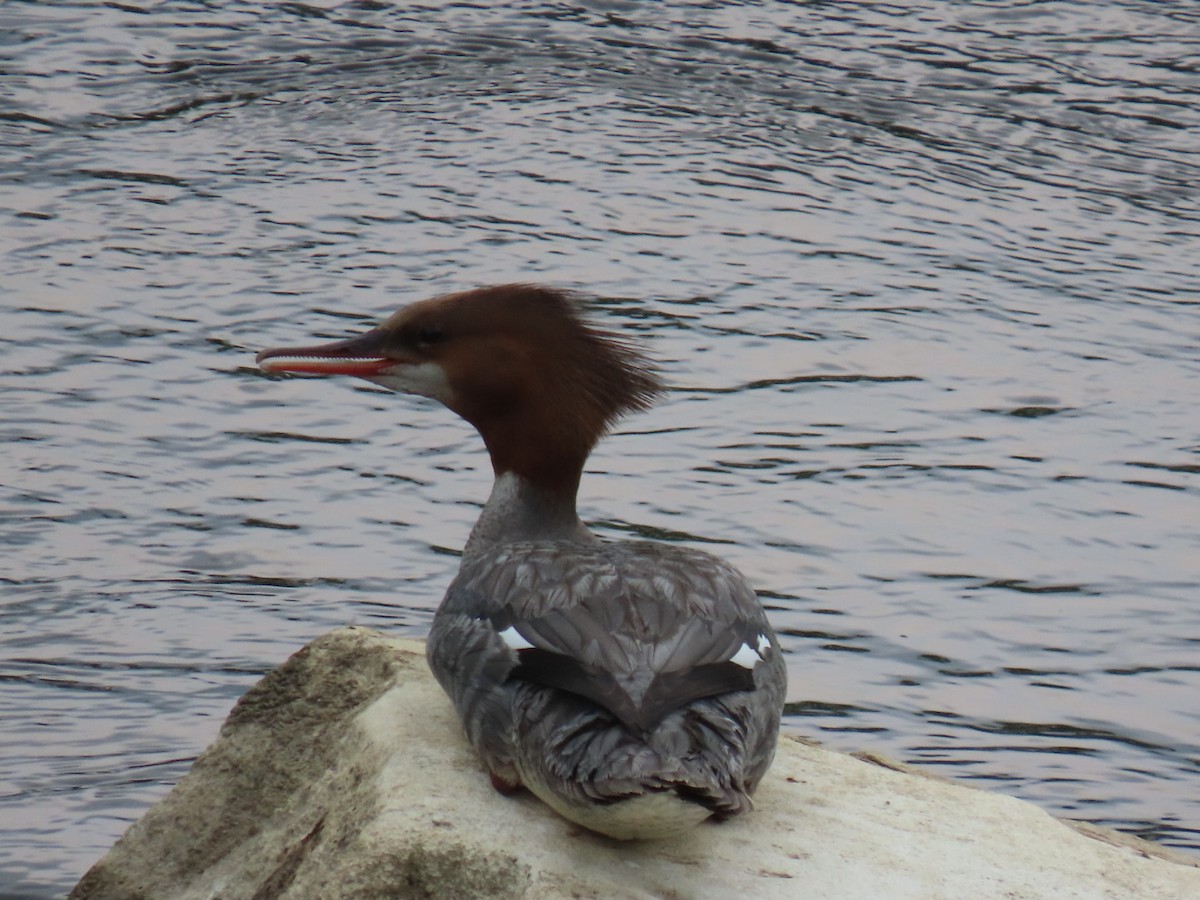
point(923, 277)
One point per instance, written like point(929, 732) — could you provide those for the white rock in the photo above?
point(343, 774)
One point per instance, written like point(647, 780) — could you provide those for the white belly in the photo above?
point(649, 817)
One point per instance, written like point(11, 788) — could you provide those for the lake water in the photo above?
point(923, 278)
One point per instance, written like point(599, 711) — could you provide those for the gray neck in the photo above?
point(519, 511)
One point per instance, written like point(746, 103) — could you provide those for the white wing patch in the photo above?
point(748, 657)
point(514, 639)
point(764, 644)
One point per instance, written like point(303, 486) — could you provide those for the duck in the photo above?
point(634, 687)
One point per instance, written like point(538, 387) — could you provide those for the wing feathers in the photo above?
point(640, 635)
point(667, 691)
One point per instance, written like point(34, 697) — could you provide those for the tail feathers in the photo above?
point(586, 755)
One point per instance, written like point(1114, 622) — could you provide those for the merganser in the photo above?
point(634, 687)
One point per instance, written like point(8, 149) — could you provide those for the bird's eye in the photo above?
point(430, 335)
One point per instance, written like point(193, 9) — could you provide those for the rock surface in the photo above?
point(343, 774)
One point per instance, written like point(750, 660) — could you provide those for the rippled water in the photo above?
point(923, 276)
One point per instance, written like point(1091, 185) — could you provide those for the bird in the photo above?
point(634, 687)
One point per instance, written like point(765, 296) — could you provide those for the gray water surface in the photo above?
point(923, 278)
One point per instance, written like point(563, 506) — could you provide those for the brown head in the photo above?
point(538, 381)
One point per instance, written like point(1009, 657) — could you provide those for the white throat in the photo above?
point(425, 379)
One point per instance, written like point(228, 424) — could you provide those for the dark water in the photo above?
point(924, 276)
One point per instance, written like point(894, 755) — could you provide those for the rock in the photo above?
point(344, 774)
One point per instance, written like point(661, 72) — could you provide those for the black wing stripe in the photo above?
point(671, 690)
point(668, 692)
point(554, 670)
